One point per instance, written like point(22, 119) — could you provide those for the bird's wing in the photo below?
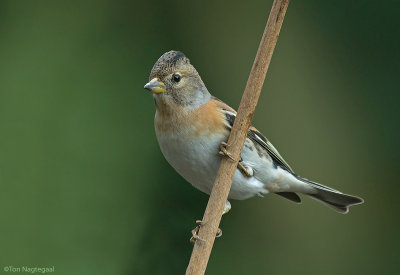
point(259, 138)
point(255, 136)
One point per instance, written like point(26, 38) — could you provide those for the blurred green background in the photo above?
point(85, 188)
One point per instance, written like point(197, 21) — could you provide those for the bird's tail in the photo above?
point(333, 198)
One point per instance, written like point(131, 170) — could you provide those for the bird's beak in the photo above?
point(155, 86)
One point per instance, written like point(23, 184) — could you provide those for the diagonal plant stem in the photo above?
point(219, 194)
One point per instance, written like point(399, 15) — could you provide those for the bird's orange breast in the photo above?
point(204, 120)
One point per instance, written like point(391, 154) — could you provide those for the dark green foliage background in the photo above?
point(85, 188)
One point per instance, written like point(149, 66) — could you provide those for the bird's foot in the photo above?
point(246, 170)
point(227, 207)
point(195, 233)
point(219, 233)
point(224, 152)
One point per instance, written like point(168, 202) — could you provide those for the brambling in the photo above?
point(191, 127)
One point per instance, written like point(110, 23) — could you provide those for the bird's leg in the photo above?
point(195, 232)
point(225, 152)
point(219, 233)
point(227, 207)
point(246, 170)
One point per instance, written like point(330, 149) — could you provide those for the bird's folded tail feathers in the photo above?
point(333, 198)
point(290, 196)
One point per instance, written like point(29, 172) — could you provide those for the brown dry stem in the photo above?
point(212, 216)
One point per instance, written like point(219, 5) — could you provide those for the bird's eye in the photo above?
point(176, 77)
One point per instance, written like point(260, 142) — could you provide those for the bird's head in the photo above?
point(174, 79)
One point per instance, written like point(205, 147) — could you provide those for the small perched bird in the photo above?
point(191, 127)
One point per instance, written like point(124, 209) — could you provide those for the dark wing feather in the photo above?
point(257, 137)
point(261, 140)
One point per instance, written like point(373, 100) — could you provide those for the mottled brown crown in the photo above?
point(169, 62)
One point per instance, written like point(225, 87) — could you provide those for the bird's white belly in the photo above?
point(197, 160)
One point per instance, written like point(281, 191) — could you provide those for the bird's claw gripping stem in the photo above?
point(195, 233)
point(225, 152)
point(247, 171)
